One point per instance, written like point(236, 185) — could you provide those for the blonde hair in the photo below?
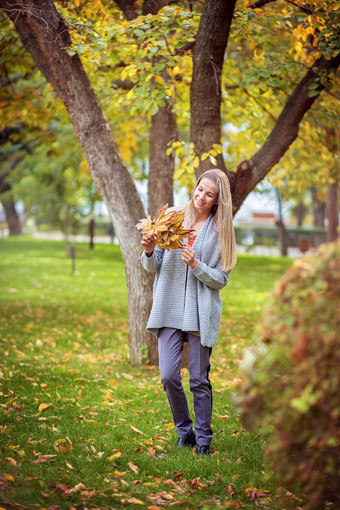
point(222, 216)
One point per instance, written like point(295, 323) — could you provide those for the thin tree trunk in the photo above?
point(332, 208)
point(45, 35)
point(332, 200)
point(282, 231)
point(91, 232)
point(319, 210)
point(12, 217)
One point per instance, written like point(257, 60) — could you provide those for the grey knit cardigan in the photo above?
point(184, 298)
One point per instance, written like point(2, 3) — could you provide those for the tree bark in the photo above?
point(319, 210)
point(251, 172)
point(205, 93)
point(332, 208)
point(332, 199)
point(161, 172)
point(12, 217)
point(45, 36)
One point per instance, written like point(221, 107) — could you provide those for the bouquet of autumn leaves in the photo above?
point(167, 229)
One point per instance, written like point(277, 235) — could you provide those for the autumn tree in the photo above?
point(219, 35)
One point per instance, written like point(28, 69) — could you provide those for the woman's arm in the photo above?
point(152, 262)
point(213, 277)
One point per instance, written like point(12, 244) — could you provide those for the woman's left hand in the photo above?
point(188, 256)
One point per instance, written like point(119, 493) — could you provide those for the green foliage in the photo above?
point(291, 379)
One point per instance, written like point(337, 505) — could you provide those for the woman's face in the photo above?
point(205, 195)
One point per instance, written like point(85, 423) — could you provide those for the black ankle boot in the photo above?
point(202, 450)
point(188, 440)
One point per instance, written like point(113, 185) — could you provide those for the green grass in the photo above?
point(105, 435)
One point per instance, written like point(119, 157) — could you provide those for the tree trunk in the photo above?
point(91, 232)
point(332, 200)
point(12, 217)
point(332, 208)
point(161, 172)
point(319, 210)
point(45, 35)
point(283, 237)
point(300, 211)
point(205, 92)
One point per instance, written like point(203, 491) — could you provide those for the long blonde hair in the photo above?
point(222, 216)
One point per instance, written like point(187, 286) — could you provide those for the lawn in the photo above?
point(80, 427)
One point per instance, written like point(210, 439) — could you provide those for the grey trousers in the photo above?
point(170, 344)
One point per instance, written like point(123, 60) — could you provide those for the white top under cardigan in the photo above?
point(184, 298)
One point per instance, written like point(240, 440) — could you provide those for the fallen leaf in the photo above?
point(12, 461)
point(127, 376)
point(170, 482)
point(132, 501)
point(135, 430)
point(63, 488)
point(44, 458)
point(115, 455)
point(178, 475)
point(196, 482)
point(42, 407)
point(133, 467)
point(88, 494)
point(169, 426)
point(10, 478)
point(77, 488)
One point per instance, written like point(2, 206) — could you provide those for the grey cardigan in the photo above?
point(184, 298)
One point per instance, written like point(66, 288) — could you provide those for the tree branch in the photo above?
point(262, 3)
point(251, 172)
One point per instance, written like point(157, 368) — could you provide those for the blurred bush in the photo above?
point(291, 379)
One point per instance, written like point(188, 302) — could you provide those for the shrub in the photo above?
point(291, 378)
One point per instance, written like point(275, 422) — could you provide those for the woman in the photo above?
point(187, 305)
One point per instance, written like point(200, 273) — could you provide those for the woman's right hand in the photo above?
point(148, 242)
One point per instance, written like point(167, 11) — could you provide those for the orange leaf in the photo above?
point(10, 478)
